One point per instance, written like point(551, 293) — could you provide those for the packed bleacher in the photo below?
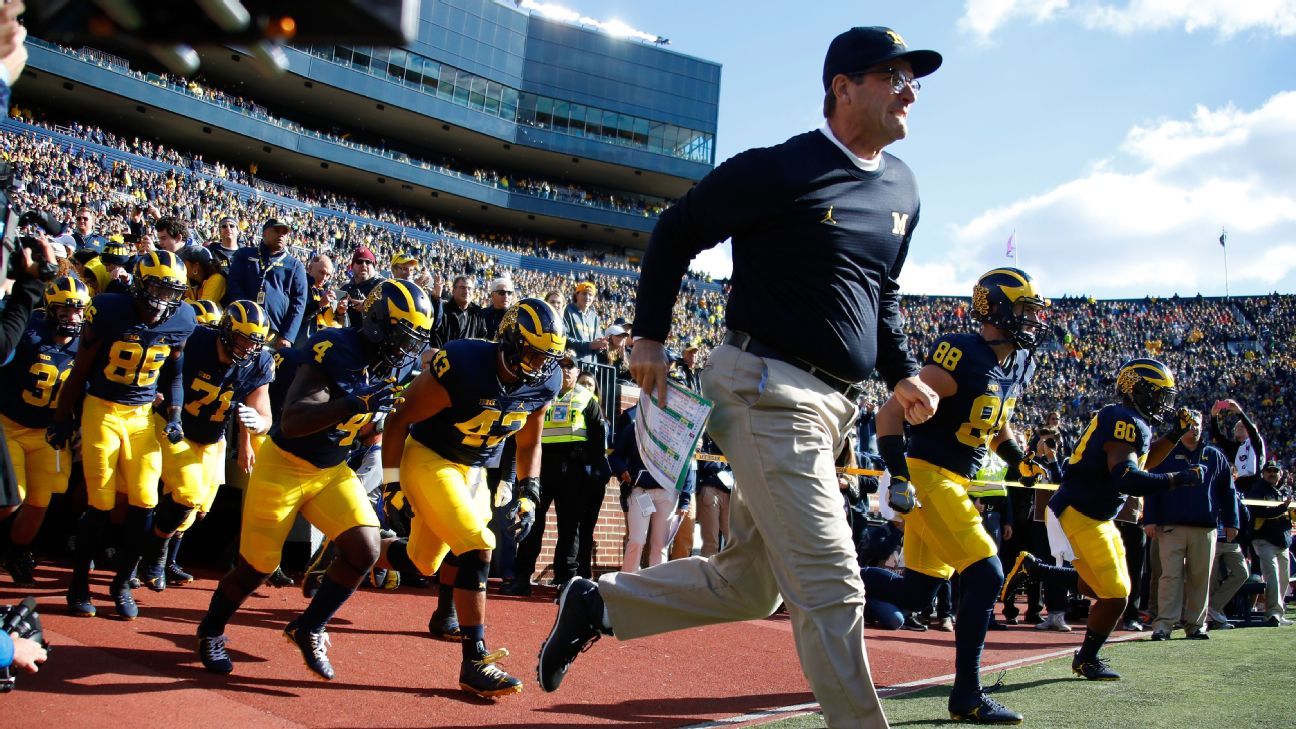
point(1237, 348)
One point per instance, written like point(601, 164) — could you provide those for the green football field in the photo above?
point(1239, 679)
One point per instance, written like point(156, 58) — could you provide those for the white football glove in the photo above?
point(252, 420)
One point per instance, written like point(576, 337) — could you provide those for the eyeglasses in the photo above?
point(899, 79)
point(569, 366)
point(228, 225)
point(506, 293)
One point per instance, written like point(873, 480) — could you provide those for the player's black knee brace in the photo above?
point(399, 559)
point(474, 569)
point(170, 514)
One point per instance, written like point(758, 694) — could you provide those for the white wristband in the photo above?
point(391, 475)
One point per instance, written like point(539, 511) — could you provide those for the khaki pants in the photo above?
point(1187, 554)
point(780, 428)
point(1275, 567)
point(713, 515)
point(1231, 570)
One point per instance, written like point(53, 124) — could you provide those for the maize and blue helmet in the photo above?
point(1007, 299)
point(531, 340)
point(244, 329)
point(66, 298)
point(1149, 386)
point(207, 312)
point(397, 319)
point(159, 283)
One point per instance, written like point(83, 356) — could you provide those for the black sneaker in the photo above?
point(21, 566)
point(912, 622)
point(1018, 576)
point(314, 649)
point(175, 575)
point(517, 587)
point(211, 650)
point(1095, 669)
point(1198, 635)
point(484, 678)
point(985, 711)
point(124, 601)
point(577, 626)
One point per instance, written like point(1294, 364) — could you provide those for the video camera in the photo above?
point(25, 621)
point(10, 261)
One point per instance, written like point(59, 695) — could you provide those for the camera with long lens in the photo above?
point(11, 261)
point(25, 621)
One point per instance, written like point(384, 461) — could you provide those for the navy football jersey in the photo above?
point(341, 356)
point(212, 390)
point(957, 437)
point(286, 361)
point(482, 413)
point(35, 374)
point(1087, 483)
point(131, 353)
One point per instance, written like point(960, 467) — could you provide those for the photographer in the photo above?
point(24, 653)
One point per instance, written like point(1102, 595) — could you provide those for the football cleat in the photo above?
point(484, 678)
point(445, 626)
point(124, 601)
point(1095, 669)
point(314, 649)
point(985, 711)
point(214, 656)
point(577, 626)
point(1017, 577)
point(176, 575)
point(279, 578)
point(79, 603)
point(315, 569)
point(21, 566)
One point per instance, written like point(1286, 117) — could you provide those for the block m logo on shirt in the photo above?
point(899, 221)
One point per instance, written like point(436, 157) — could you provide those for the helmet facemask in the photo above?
point(67, 318)
point(159, 298)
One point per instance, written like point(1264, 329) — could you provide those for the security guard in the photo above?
point(573, 439)
point(40, 364)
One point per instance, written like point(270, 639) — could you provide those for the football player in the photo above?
point(40, 364)
point(979, 377)
point(346, 378)
point(454, 417)
point(131, 350)
point(207, 312)
point(1112, 459)
point(226, 371)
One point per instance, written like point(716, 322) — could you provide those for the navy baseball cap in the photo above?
point(194, 254)
point(863, 47)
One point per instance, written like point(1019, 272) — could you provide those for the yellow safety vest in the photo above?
point(565, 419)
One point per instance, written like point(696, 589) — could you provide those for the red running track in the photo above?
point(105, 672)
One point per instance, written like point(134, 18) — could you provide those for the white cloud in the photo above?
point(982, 18)
point(1147, 220)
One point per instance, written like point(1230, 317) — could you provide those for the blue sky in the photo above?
point(1116, 137)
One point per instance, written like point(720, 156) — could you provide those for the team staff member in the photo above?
point(575, 439)
point(130, 351)
point(33, 377)
point(852, 210)
point(1272, 541)
point(1109, 462)
point(979, 378)
point(226, 371)
point(272, 277)
point(455, 416)
point(346, 378)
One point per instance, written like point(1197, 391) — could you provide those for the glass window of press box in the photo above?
point(480, 94)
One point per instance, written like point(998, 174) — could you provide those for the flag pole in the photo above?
point(1224, 237)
